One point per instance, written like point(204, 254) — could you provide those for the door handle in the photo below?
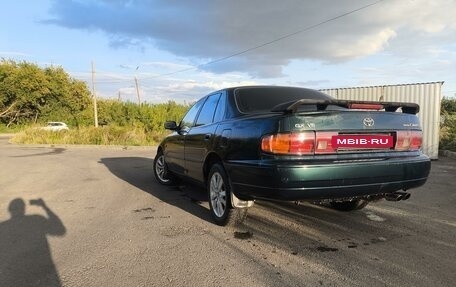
point(207, 137)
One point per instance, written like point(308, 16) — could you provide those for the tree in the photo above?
point(448, 125)
point(23, 88)
point(29, 93)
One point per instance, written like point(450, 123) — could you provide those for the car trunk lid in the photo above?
point(345, 127)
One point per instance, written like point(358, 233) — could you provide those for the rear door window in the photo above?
point(206, 115)
point(221, 107)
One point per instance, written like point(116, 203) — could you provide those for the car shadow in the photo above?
point(54, 151)
point(138, 171)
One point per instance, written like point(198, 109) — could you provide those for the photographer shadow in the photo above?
point(25, 255)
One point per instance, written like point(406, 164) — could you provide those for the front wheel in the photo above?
point(219, 193)
point(349, 205)
point(161, 172)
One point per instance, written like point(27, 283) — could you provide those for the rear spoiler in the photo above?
point(292, 107)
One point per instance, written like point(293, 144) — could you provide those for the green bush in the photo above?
point(448, 133)
point(448, 125)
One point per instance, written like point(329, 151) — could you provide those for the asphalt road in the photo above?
point(104, 221)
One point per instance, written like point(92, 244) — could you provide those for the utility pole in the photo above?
point(94, 96)
point(137, 91)
point(119, 98)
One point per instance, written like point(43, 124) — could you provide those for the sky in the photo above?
point(183, 50)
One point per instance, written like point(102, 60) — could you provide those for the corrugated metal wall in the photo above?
point(427, 95)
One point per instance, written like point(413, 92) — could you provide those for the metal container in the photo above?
point(427, 95)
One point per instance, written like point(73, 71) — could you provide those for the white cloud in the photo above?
point(164, 65)
point(363, 46)
point(186, 91)
point(180, 89)
point(391, 42)
point(207, 30)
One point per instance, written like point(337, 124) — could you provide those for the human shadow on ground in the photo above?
point(138, 171)
point(25, 255)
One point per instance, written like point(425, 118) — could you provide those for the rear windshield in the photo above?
point(252, 100)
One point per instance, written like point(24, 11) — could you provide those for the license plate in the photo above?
point(362, 141)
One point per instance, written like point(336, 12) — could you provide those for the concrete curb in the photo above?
point(447, 153)
point(6, 136)
point(69, 146)
point(74, 146)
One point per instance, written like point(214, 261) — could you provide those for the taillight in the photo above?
point(417, 140)
point(324, 142)
point(291, 143)
point(302, 143)
point(366, 106)
point(408, 140)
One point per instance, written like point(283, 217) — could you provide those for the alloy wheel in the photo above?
point(160, 169)
point(218, 194)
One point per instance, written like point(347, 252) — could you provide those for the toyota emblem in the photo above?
point(368, 122)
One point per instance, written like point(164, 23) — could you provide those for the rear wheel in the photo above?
point(219, 193)
point(161, 172)
point(349, 205)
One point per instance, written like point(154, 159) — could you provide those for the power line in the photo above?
point(269, 42)
point(252, 48)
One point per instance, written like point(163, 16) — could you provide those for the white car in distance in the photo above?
point(55, 127)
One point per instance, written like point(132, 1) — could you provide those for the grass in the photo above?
point(109, 135)
point(10, 130)
point(130, 136)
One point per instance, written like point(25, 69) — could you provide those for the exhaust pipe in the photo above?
point(396, 196)
point(406, 196)
point(393, 196)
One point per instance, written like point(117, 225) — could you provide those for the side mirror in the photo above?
point(171, 125)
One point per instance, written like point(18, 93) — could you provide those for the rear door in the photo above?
point(199, 139)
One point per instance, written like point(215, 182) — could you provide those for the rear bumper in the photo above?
point(282, 181)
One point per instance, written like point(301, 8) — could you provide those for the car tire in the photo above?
point(219, 194)
point(349, 205)
point(162, 175)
